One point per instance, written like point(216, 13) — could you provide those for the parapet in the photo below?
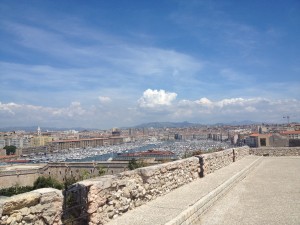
point(42, 206)
point(98, 200)
point(276, 151)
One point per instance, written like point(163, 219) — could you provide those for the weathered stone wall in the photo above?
point(278, 151)
point(62, 170)
point(13, 179)
point(217, 160)
point(26, 177)
point(43, 206)
point(241, 152)
point(111, 196)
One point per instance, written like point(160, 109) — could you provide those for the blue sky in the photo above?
point(103, 64)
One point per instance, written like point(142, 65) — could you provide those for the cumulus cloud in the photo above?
point(154, 105)
point(8, 108)
point(204, 102)
point(75, 109)
point(229, 109)
point(231, 101)
point(154, 98)
point(25, 114)
point(104, 99)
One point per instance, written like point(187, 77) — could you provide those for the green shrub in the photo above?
point(134, 164)
point(44, 182)
point(69, 181)
point(15, 190)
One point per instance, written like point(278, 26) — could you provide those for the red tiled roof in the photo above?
point(291, 132)
point(7, 156)
point(86, 139)
point(147, 153)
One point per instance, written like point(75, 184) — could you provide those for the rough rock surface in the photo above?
point(110, 196)
point(42, 206)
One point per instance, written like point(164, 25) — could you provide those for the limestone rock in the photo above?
point(20, 201)
point(28, 218)
point(126, 192)
point(25, 211)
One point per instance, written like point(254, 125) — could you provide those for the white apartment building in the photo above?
point(291, 134)
point(2, 143)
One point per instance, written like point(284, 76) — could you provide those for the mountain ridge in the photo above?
point(143, 125)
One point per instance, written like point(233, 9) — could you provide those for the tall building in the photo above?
point(39, 133)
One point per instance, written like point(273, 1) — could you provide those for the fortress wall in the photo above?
point(241, 152)
point(19, 179)
point(26, 177)
point(109, 196)
point(217, 160)
point(43, 206)
point(62, 170)
point(21, 176)
point(276, 151)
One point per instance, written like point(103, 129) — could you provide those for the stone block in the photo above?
point(20, 201)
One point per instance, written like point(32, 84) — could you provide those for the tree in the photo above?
point(85, 175)
point(101, 170)
point(10, 150)
point(134, 164)
point(44, 182)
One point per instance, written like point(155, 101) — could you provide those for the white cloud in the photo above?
point(204, 102)
point(230, 109)
point(229, 102)
point(13, 114)
point(106, 51)
point(155, 98)
point(250, 109)
point(75, 109)
point(8, 108)
point(104, 99)
point(154, 105)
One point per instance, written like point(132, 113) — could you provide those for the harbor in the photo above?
point(107, 153)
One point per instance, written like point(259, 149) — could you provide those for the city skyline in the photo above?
point(115, 64)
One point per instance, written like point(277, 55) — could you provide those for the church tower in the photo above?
point(39, 131)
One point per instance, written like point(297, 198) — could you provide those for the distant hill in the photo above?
point(146, 125)
point(187, 124)
point(34, 128)
point(167, 124)
point(238, 123)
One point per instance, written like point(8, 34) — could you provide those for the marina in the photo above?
point(107, 153)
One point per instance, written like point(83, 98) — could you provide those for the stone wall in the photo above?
point(241, 152)
point(278, 151)
point(26, 177)
point(76, 169)
point(110, 196)
point(15, 178)
point(43, 206)
point(21, 175)
point(217, 160)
